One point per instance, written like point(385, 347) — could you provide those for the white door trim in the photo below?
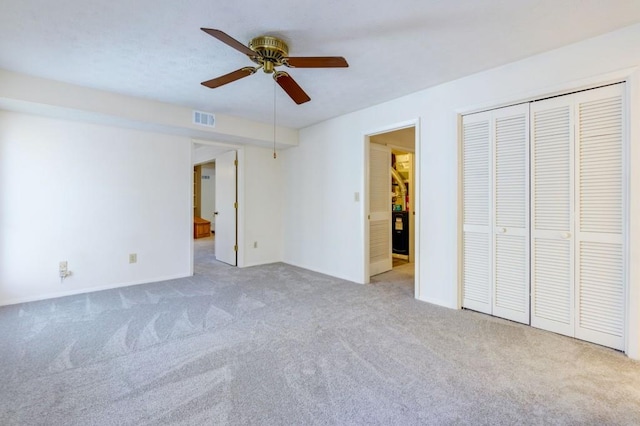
point(631, 200)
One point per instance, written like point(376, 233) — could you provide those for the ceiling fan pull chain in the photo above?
point(274, 117)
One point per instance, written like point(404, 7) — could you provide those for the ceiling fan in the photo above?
point(271, 52)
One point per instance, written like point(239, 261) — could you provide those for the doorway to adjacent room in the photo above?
point(391, 178)
point(215, 206)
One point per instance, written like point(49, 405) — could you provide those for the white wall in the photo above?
point(90, 195)
point(208, 193)
point(260, 199)
point(323, 228)
point(324, 225)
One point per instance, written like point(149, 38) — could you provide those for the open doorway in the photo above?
point(204, 194)
point(204, 198)
point(391, 203)
point(207, 206)
point(215, 219)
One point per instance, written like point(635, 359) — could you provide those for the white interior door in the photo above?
point(476, 215)
point(226, 208)
point(600, 289)
point(380, 259)
point(511, 213)
point(552, 202)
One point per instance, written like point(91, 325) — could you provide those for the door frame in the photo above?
point(415, 123)
point(218, 148)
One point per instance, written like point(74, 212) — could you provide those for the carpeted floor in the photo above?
point(277, 344)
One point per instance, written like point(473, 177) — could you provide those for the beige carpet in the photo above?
point(279, 345)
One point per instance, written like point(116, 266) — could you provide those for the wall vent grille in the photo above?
point(204, 118)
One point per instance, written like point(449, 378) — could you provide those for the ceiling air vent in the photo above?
point(204, 118)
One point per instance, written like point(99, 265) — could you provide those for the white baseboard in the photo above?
point(87, 290)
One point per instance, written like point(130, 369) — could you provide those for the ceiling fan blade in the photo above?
point(291, 87)
point(230, 41)
point(317, 62)
point(228, 78)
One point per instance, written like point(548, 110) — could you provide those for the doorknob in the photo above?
point(566, 235)
point(215, 213)
point(503, 230)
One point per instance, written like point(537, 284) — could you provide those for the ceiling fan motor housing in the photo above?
point(271, 52)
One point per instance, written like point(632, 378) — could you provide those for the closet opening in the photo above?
point(545, 214)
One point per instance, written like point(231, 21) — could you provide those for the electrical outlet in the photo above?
point(133, 258)
point(63, 270)
point(255, 244)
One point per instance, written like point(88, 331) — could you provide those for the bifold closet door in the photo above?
point(577, 247)
point(476, 212)
point(600, 290)
point(495, 189)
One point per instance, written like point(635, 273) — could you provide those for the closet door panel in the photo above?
point(599, 221)
point(552, 280)
point(476, 202)
point(511, 213)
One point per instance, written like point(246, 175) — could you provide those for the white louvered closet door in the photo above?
point(476, 201)
point(511, 213)
point(380, 248)
point(552, 289)
point(600, 290)
point(577, 247)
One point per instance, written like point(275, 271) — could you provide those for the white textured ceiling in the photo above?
point(155, 49)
